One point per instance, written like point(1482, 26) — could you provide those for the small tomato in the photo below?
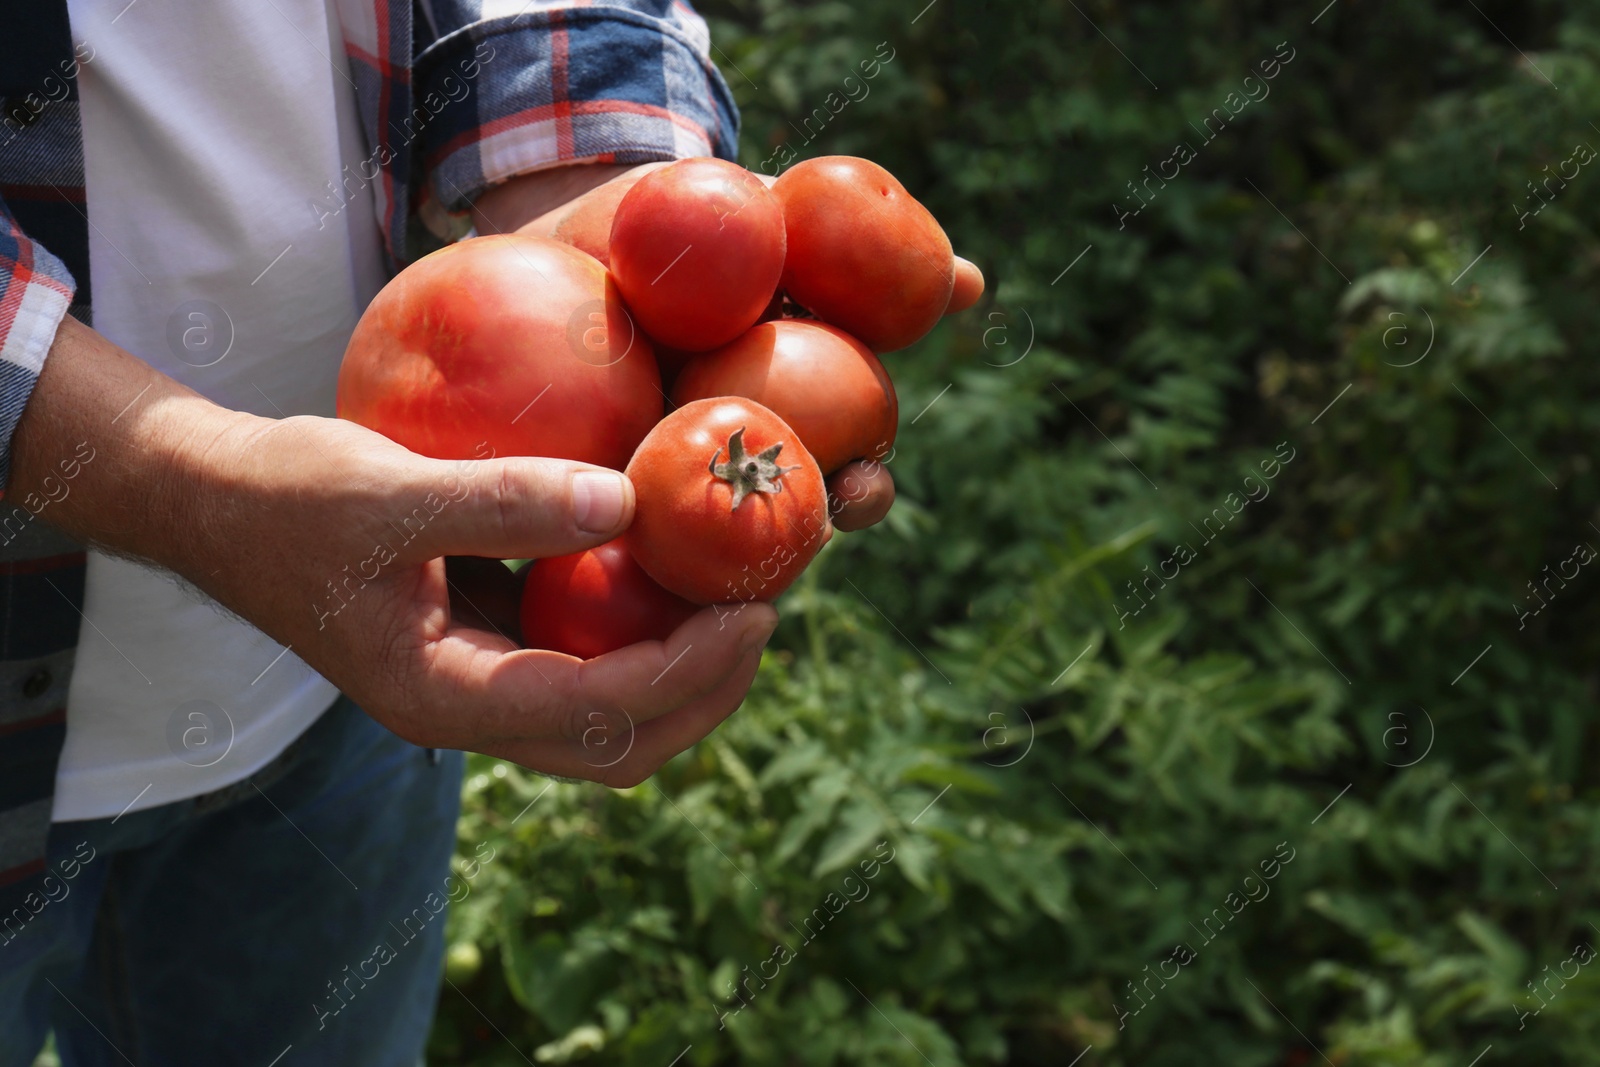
point(729, 505)
point(697, 248)
point(829, 387)
point(596, 601)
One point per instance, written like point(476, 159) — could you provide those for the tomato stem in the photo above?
point(759, 473)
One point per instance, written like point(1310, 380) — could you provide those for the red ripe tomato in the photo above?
point(728, 504)
point(594, 602)
point(863, 254)
point(825, 384)
point(696, 248)
point(514, 344)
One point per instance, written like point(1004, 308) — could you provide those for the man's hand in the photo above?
point(331, 539)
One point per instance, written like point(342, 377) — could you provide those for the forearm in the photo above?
point(114, 452)
point(106, 447)
point(539, 199)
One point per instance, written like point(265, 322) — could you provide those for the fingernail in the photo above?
point(598, 498)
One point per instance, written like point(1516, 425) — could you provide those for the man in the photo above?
point(242, 803)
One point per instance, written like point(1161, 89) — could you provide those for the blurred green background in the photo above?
point(1194, 705)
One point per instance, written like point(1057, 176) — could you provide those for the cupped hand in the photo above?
point(331, 539)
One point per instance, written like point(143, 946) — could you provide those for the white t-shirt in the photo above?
point(209, 130)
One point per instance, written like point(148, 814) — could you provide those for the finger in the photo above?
point(968, 286)
point(860, 494)
point(510, 508)
point(622, 760)
point(652, 678)
point(478, 692)
point(661, 739)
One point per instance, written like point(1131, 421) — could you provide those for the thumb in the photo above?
point(513, 508)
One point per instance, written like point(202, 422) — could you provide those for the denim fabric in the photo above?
point(234, 927)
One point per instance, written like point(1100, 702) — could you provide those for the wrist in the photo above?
point(533, 202)
point(199, 480)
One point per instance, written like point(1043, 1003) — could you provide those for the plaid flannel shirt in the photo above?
point(454, 96)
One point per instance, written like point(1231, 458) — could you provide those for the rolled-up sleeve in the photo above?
point(35, 291)
point(544, 84)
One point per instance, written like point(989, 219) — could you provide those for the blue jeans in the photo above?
point(234, 927)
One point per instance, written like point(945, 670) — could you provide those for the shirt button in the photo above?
point(37, 683)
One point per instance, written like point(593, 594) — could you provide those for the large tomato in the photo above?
point(729, 505)
point(503, 345)
point(596, 601)
point(825, 384)
point(697, 248)
point(863, 254)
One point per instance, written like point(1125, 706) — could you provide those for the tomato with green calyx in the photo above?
point(729, 506)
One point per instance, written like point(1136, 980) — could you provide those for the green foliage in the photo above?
point(1080, 759)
